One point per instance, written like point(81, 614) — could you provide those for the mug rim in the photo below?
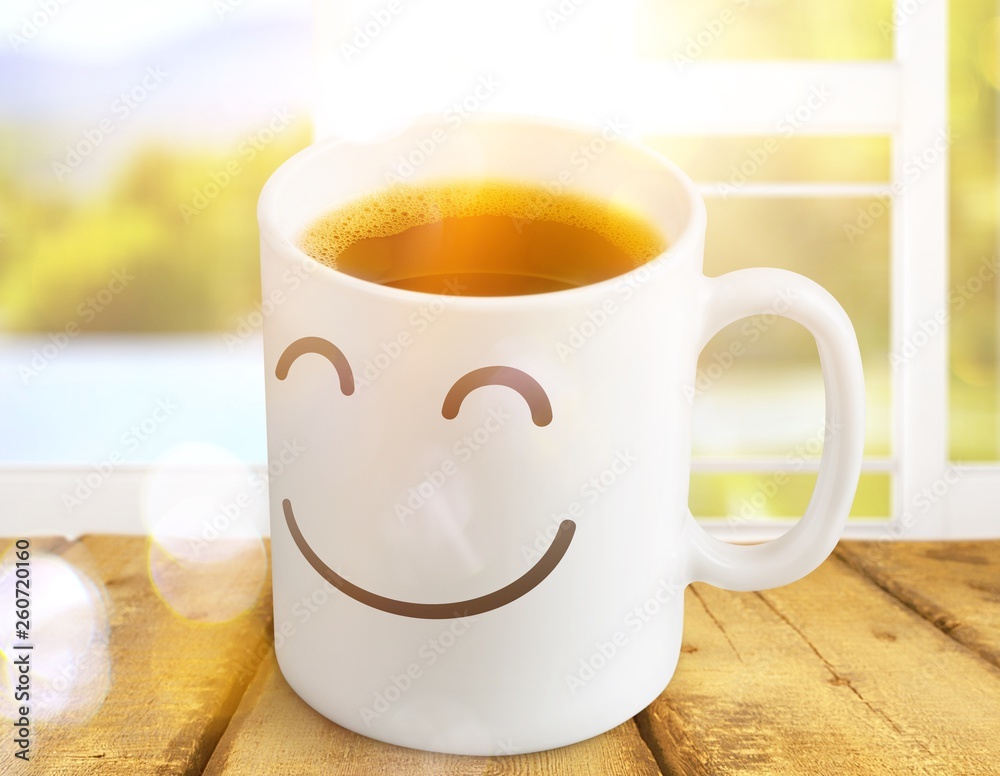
point(685, 242)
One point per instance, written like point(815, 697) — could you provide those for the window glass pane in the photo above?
point(743, 496)
point(673, 30)
point(133, 146)
point(974, 385)
point(770, 397)
point(166, 242)
point(129, 400)
point(760, 159)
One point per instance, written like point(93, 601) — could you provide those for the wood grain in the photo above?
point(276, 733)
point(955, 585)
point(885, 660)
point(174, 682)
point(829, 675)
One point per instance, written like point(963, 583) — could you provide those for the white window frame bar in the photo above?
point(920, 271)
point(905, 99)
point(914, 109)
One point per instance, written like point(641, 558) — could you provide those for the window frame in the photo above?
point(905, 98)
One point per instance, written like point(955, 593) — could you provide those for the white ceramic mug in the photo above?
point(481, 538)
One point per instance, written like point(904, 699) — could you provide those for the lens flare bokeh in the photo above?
point(205, 512)
point(70, 629)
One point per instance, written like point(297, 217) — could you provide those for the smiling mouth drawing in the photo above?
point(485, 603)
point(541, 414)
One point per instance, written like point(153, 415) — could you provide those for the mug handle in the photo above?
point(810, 541)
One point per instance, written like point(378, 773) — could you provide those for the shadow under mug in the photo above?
point(506, 575)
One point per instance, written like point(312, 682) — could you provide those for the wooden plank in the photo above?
point(48, 544)
point(173, 683)
point(955, 585)
point(276, 733)
point(829, 675)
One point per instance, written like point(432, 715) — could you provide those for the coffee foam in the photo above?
point(402, 206)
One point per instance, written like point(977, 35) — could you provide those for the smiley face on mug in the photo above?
point(541, 414)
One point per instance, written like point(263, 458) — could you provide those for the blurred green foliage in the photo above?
point(189, 243)
point(975, 232)
point(768, 29)
point(60, 245)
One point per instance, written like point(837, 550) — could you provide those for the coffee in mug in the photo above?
point(484, 543)
point(481, 238)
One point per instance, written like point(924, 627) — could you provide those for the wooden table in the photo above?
point(885, 660)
